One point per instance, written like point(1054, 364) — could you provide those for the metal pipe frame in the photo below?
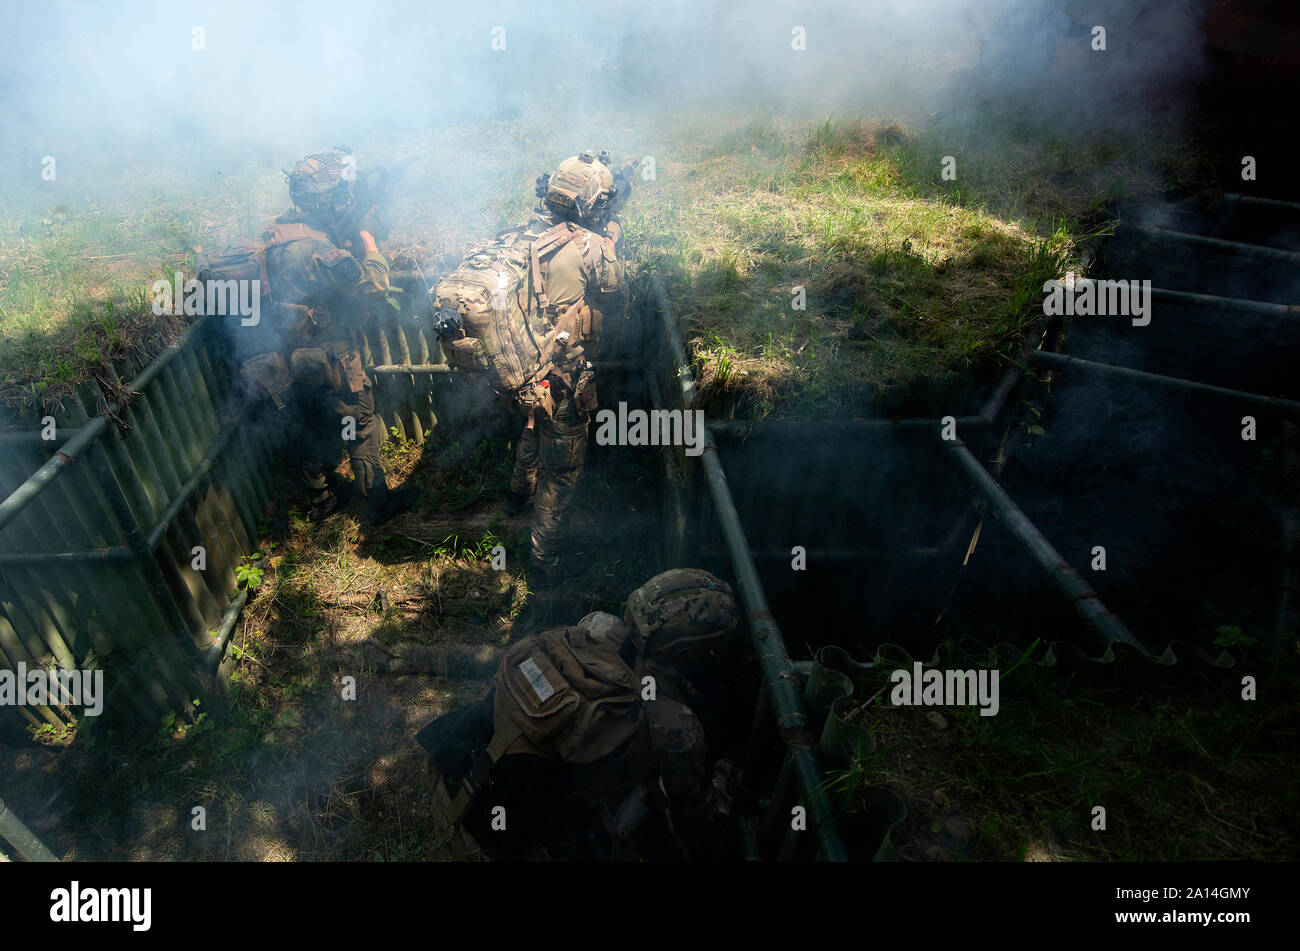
point(819, 428)
point(1078, 592)
point(1260, 251)
point(21, 838)
point(1233, 197)
point(156, 532)
point(1059, 361)
point(227, 628)
point(22, 496)
point(769, 646)
point(1234, 305)
point(385, 369)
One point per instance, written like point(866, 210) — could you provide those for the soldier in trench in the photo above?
point(307, 356)
point(585, 272)
point(594, 742)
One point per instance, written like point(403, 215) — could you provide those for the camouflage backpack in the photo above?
point(244, 259)
point(494, 319)
point(266, 372)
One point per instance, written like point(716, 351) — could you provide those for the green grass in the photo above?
point(909, 279)
point(1185, 770)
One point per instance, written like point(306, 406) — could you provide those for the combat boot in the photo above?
point(517, 503)
point(541, 577)
point(336, 496)
point(383, 504)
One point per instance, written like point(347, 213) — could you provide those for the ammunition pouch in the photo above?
point(584, 392)
point(352, 369)
point(536, 398)
point(336, 365)
point(466, 354)
point(312, 366)
point(267, 375)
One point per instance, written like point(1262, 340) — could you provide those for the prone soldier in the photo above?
point(590, 740)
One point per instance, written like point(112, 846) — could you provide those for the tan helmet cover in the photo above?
point(578, 185)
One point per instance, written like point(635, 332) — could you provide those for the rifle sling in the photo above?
point(502, 737)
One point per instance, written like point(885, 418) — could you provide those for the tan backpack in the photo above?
point(563, 694)
point(493, 317)
point(244, 259)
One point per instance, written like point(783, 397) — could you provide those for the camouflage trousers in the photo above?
point(548, 462)
point(316, 422)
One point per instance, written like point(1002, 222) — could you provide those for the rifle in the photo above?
point(622, 188)
point(374, 193)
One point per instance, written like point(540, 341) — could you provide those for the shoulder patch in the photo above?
point(333, 257)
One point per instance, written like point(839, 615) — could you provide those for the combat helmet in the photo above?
point(681, 610)
point(579, 189)
point(324, 182)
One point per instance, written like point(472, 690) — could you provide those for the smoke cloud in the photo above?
point(114, 92)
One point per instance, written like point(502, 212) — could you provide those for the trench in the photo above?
point(852, 541)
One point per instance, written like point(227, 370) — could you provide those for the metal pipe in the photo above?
point(156, 532)
point(21, 838)
point(1254, 200)
point(769, 646)
point(1059, 361)
point(40, 480)
point(34, 437)
point(42, 477)
point(227, 628)
point(1079, 593)
point(1234, 305)
point(114, 553)
point(394, 368)
point(998, 398)
point(825, 428)
point(391, 368)
point(1261, 251)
